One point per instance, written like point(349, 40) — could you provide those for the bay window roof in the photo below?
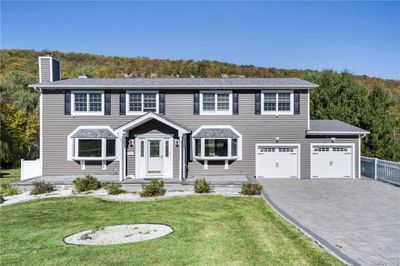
point(216, 133)
point(84, 133)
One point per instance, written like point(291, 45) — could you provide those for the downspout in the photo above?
point(359, 153)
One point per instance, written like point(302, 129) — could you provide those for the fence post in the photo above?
point(22, 169)
point(376, 168)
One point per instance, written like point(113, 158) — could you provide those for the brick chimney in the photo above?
point(49, 68)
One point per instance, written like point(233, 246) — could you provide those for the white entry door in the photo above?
point(331, 161)
point(155, 164)
point(274, 161)
point(154, 157)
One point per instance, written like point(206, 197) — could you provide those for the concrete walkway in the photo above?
point(359, 219)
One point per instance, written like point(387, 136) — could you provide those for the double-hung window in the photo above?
point(277, 102)
point(87, 103)
point(215, 102)
point(139, 102)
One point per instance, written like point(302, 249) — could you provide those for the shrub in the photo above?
point(2, 199)
point(113, 189)
point(41, 187)
point(202, 186)
point(251, 189)
point(8, 190)
point(155, 188)
point(86, 183)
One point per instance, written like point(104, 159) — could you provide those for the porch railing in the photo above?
point(378, 169)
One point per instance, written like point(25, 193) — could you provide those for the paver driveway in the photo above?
point(358, 217)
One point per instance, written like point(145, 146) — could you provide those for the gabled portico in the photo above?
point(151, 147)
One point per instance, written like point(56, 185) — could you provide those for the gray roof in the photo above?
point(178, 82)
point(216, 133)
point(333, 126)
point(94, 133)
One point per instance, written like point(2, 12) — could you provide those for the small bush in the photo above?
point(8, 190)
point(2, 199)
point(251, 189)
point(86, 183)
point(41, 187)
point(202, 186)
point(113, 189)
point(155, 188)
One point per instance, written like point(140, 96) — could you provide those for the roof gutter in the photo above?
point(174, 86)
point(364, 133)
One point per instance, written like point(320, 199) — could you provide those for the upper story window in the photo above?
point(277, 102)
point(215, 102)
point(139, 102)
point(87, 103)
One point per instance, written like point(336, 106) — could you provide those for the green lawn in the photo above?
point(209, 230)
point(10, 175)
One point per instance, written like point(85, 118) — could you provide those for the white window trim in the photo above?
point(142, 98)
point(72, 146)
point(276, 112)
point(202, 156)
point(76, 113)
point(216, 112)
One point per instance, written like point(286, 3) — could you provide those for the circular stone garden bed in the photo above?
point(119, 234)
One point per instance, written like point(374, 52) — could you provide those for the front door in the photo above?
point(155, 158)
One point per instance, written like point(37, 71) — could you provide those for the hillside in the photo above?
point(74, 64)
point(367, 102)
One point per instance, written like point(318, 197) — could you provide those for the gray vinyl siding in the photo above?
point(45, 69)
point(179, 107)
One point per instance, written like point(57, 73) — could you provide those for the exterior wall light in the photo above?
point(333, 140)
point(277, 139)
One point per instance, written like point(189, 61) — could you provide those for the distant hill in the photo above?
point(75, 64)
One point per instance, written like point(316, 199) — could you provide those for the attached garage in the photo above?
point(277, 161)
point(332, 161)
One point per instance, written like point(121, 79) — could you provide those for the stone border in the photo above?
point(320, 241)
point(83, 245)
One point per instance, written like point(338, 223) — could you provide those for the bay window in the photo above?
point(139, 102)
point(87, 103)
point(215, 103)
point(216, 149)
point(94, 149)
point(277, 102)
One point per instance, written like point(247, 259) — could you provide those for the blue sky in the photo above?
point(362, 37)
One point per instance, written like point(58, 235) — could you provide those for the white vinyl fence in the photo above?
point(30, 169)
point(387, 171)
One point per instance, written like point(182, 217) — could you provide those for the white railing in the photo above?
point(378, 169)
point(30, 169)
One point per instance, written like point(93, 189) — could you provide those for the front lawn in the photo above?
point(10, 175)
point(209, 230)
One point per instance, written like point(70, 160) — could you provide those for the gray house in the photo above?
point(188, 127)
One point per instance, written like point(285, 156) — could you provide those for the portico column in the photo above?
point(122, 157)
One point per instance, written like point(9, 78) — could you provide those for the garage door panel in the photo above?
point(276, 161)
point(331, 161)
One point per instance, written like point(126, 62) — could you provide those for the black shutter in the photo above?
point(161, 106)
point(122, 103)
point(107, 102)
point(189, 154)
point(235, 103)
point(258, 103)
point(67, 102)
point(296, 102)
point(196, 103)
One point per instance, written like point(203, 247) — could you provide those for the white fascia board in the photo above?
point(177, 86)
point(336, 133)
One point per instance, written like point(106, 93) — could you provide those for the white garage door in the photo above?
point(331, 161)
point(277, 161)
